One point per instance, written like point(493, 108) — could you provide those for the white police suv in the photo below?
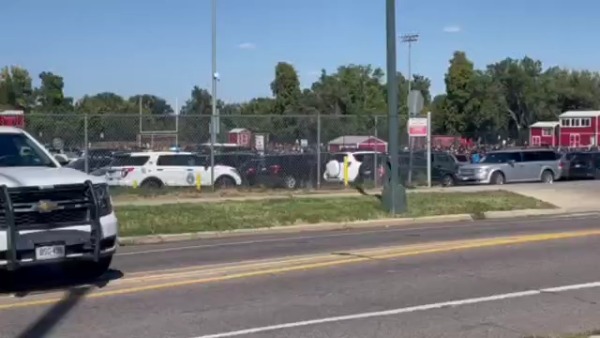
point(155, 169)
point(50, 214)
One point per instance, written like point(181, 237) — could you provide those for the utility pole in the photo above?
point(214, 119)
point(410, 38)
point(392, 90)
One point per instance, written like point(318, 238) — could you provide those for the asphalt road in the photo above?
point(394, 282)
point(214, 251)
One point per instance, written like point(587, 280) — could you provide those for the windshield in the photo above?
point(18, 150)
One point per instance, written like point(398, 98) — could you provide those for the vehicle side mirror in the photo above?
point(511, 163)
point(61, 159)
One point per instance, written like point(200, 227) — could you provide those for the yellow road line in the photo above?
point(310, 266)
point(144, 276)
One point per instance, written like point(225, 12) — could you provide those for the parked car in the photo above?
point(444, 167)
point(580, 165)
point(334, 169)
point(178, 169)
point(515, 165)
point(290, 171)
point(234, 159)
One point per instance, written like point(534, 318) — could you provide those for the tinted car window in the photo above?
point(92, 163)
point(581, 159)
point(175, 160)
point(339, 157)
point(200, 161)
point(462, 158)
point(442, 158)
point(547, 156)
point(529, 156)
point(359, 157)
point(127, 160)
point(596, 160)
point(502, 157)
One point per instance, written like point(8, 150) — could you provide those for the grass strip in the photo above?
point(576, 335)
point(229, 215)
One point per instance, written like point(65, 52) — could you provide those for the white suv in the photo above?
point(50, 214)
point(176, 169)
point(334, 169)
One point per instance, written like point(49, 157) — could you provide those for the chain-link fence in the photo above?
point(300, 150)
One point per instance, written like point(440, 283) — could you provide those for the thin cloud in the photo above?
point(314, 73)
point(452, 29)
point(247, 45)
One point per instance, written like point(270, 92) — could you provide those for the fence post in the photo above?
point(318, 150)
point(375, 157)
point(428, 149)
point(86, 141)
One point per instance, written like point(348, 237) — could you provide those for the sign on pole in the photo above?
point(415, 102)
point(259, 143)
point(417, 127)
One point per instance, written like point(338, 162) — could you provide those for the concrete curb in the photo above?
point(523, 213)
point(329, 226)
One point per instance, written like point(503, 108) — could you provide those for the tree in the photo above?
point(200, 103)
point(195, 116)
point(50, 96)
point(151, 104)
point(520, 83)
point(286, 89)
point(459, 91)
point(16, 90)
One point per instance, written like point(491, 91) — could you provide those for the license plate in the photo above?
point(49, 252)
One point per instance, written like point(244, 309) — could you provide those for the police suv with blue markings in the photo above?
point(51, 214)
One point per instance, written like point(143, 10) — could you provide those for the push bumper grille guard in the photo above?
point(12, 232)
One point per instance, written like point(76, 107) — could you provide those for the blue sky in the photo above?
point(163, 47)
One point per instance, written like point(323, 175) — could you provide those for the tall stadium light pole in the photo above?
point(213, 122)
point(392, 89)
point(409, 39)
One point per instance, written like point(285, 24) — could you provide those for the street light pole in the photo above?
point(213, 122)
point(392, 89)
point(409, 38)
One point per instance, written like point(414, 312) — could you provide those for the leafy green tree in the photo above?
point(459, 80)
point(152, 104)
point(50, 96)
point(286, 89)
point(16, 90)
point(520, 83)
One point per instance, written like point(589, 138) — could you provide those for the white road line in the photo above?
point(418, 308)
point(489, 223)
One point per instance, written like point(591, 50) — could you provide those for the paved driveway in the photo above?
point(570, 195)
